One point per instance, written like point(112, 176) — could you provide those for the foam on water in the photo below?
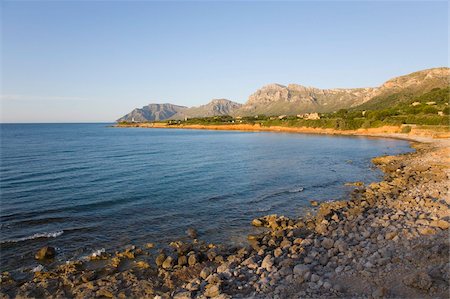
point(34, 236)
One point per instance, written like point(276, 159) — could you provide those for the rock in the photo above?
point(379, 292)
point(88, 276)
point(192, 233)
point(212, 290)
point(327, 243)
point(390, 235)
point(250, 263)
point(327, 285)
point(149, 245)
point(338, 288)
point(192, 260)
point(278, 252)
point(313, 203)
point(46, 252)
point(315, 278)
point(420, 280)
point(182, 260)
point(142, 265)
point(104, 293)
point(211, 254)
point(192, 286)
point(183, 295)
point(300, 270)
point(160, 259)
point(341, 246)
point(267, 262)
point(426, 231)
point(168, 263)
point(442, 224)
point(257, 223)
point(205, 272)
point(356, 184)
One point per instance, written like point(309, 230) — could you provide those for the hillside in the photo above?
point(404, 89)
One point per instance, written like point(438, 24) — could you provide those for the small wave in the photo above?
point(35, 236)
point(96, 253)
point(38, 268)
point(265, 209)
point(296, 190)
point(276, 194)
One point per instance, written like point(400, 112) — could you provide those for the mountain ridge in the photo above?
point(291, 99)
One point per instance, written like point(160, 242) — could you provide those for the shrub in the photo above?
point(406, 129)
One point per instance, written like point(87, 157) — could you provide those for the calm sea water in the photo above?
point(83, 187)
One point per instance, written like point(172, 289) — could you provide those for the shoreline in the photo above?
point(417, 134)
point(328, 254)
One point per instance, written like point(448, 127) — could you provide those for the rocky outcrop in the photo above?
point(152, 112)
point(216, 107)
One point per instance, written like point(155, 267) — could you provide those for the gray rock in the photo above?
point(315, 278)
point(327, 243)
point(300, 269)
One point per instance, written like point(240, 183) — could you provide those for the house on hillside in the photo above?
point(309, 116)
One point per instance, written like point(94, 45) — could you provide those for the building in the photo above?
point(309, 116)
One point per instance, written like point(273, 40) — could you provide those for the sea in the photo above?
point(82, 188)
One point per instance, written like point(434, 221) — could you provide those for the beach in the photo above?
point(417, 133)
point(389, 239)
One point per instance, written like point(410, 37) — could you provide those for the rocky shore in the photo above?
point(388, 240)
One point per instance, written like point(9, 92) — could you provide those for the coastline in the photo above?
point(417, 134)
point(329, 254)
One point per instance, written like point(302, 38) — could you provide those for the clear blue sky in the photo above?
point(95, 61)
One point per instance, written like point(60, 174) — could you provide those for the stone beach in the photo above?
point(388, 240)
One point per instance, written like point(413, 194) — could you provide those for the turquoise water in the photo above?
point(83, 187)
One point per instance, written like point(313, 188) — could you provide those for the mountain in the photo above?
point(216, 107)
point(276, 99)
point(152, 112)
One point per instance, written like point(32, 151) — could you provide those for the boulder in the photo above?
point(160, 259)
point(168, 263)
point(192, 260)
point(257, 223)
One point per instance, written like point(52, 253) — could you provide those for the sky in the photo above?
point(85, 61)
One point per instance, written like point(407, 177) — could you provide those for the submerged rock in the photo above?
point(192, 233)
point(46, 252)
